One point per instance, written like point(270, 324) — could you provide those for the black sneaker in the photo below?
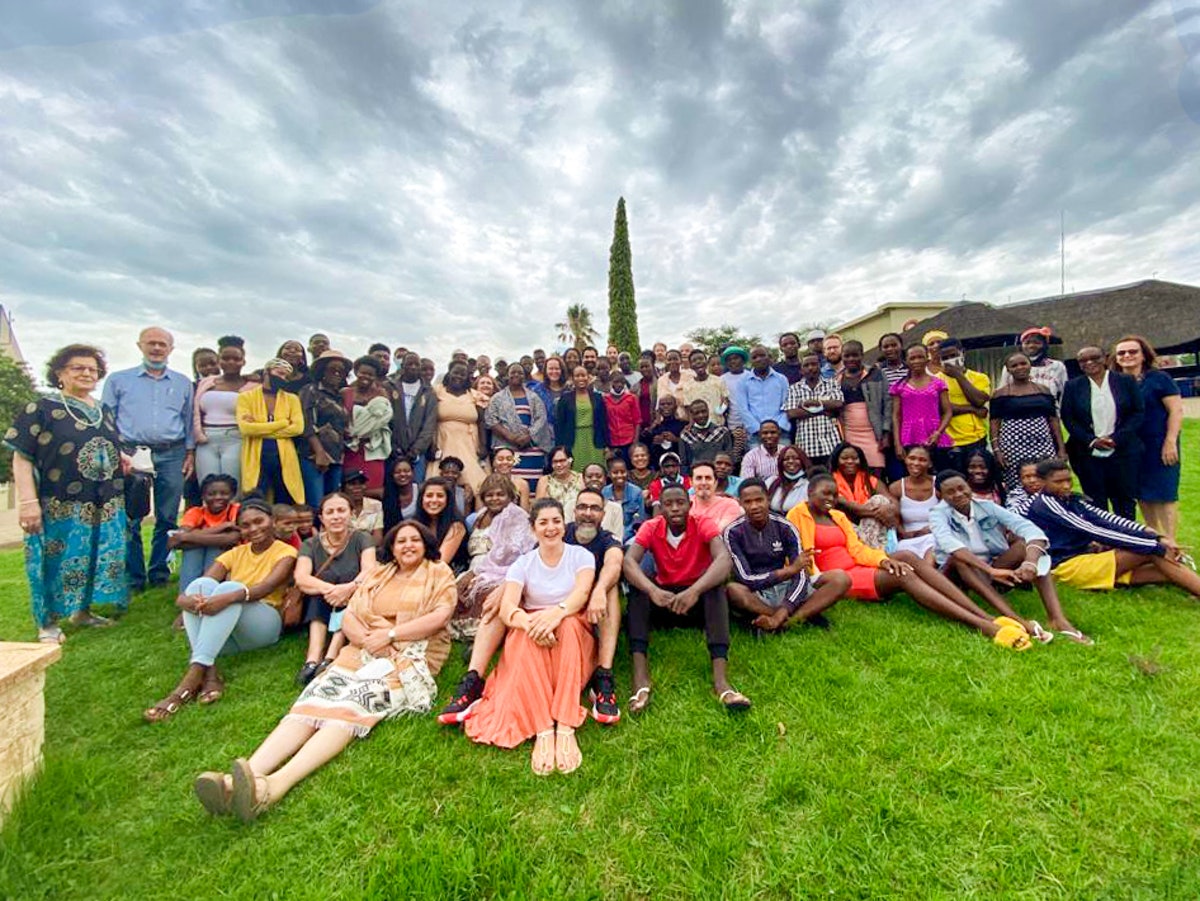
point(817, 621)
point(306, 674)
point(604, 698)
point(462, 705)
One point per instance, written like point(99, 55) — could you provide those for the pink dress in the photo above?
point(920, 414)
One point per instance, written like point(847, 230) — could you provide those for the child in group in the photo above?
point(207, 531)
point(303, 521)
point(464, 497)
point(1021, 497)
point(284, 517)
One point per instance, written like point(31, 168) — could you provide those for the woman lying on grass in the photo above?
point(233, 607)
point(831, 543)
point(549, 654)
point(396, 629)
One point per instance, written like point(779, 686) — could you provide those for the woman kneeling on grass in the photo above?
point(396, 628)
point(549, 653)
point(233, 607)
point(831, 543)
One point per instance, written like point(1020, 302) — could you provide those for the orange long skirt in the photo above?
point(532, 687)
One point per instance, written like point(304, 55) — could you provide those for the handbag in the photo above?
point(292, 608)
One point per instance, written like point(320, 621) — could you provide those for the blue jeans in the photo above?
point(317, 484)
point(237, 628)
point(195, 561)
point(222, 453)
point(168, 491)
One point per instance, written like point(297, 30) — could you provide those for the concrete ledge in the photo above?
point(22, 714)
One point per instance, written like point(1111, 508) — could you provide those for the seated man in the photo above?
point(704, 437)
point(604, 607)
point(692, 565)
point(669, 474)
point(985, 544)
point(707, 502)
point(1136, 555)
point(770, 571)
point(595, 477)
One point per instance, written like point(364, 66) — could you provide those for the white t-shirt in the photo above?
point(545, 586)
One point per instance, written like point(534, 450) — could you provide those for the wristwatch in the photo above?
point(391, 634)
point(562, 605)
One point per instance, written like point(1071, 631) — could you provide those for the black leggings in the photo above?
point(711, 611)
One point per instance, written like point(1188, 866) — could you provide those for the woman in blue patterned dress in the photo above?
point(518, 419)
point(67, 469)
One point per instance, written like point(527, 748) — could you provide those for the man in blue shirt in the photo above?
point(761, 395)
point(152, 406)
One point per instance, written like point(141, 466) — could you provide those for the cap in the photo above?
point(817, 334)
point(1045, 331)
point(353, 475)
point(674, 456)
point(734, 351)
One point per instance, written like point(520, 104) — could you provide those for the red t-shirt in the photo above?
point(681, 565)
point(655, 488)
point(200, 518)
point(624, 419)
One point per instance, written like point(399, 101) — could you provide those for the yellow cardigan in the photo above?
point(287, 424)
point(801, 517)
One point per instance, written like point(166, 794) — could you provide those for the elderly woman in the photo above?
point(368, 404)
point(323, 445)
point(1158, 474)
point(233, 607)
point(269, 417)
point(518, 420)
point(70, 495)
point(549, 653)
point(562, 483)
point(396, 626)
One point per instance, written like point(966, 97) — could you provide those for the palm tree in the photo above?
point(578, 328)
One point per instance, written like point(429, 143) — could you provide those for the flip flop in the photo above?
point(733, 699)
point(640, 699)
point(1076, 636)
point(1045, 636)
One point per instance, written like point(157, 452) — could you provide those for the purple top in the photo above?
point(920, 414)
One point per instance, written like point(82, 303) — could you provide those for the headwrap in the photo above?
point(278, 363)
point(934, 334)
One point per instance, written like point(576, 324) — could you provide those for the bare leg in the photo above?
point(932, 577)
point(977, 581)
point(610, 630)
point(1048, 592)
point(1147, 570)
point(336, 645)
point(831, 587)
point(317, 633)
point(488, 639)
point(326, 744)
point(931, 599)
point(1170, 519)
point(720, 676)
point(742, 598)
point(285, 740)
point(641, 671)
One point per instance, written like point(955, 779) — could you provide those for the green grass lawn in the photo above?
point(893, 756)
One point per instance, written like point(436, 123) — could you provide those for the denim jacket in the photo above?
point(992, 519)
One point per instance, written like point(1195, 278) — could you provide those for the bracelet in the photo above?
point(246, 589)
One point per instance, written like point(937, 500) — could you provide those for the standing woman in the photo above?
point(368, 403)
point(518, 420)
point(916, 499)
point(214, 413)
point(322, 447)
point(866, 413)
point(460, 423)
point(581, 423)
point(562, 483)
point(1158, 476)
point(1024, 421)
point(293, 352)
point(891, 358)
point(555, 382)
point(571, 359)
point(269, 418)
point(437, 512)
point(70, 495)
point(549, 653)
point(920, 406)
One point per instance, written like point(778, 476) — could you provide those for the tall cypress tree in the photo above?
point(622, 308)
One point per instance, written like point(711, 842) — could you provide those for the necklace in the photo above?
point(91, 415)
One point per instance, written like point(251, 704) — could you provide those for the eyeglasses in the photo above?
point(1128, 353)
point(1093, 358)
point(589, 508)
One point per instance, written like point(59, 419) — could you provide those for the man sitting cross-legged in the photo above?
point(770, 571)
point(691, 566)
point(1135, 556)
point(985, 544)
point(604, 607)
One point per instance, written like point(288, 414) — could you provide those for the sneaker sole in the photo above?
point(604, 719)
point(458, 717)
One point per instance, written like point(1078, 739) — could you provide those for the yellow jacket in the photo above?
point(288, 423)
point(802, 519)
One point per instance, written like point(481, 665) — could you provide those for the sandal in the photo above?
point(214, 793)
point(640, 699)
point(251, 794)
point(212, 690)
point(542, 759)
point(90, 620)
point(168, 706)
point(734, 699)
point(1045, 636)
point(1076, 636)
point(51, 635)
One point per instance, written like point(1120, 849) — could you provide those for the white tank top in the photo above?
point(913, 513)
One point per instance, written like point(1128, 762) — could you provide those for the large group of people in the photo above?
point(387, 512)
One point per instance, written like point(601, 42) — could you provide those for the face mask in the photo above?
point(794, 477)
point(953, 362)
point(154, 366)
point(618, 390)
point(585, 532)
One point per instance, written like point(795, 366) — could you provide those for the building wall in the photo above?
point(888, 318)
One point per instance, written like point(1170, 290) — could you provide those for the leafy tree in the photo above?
point(16, 390)
point(577, 328)
point(622, 307)
point(714, 340)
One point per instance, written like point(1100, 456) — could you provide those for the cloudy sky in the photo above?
point(446, 174)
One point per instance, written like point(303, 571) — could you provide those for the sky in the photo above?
point(446, 175)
